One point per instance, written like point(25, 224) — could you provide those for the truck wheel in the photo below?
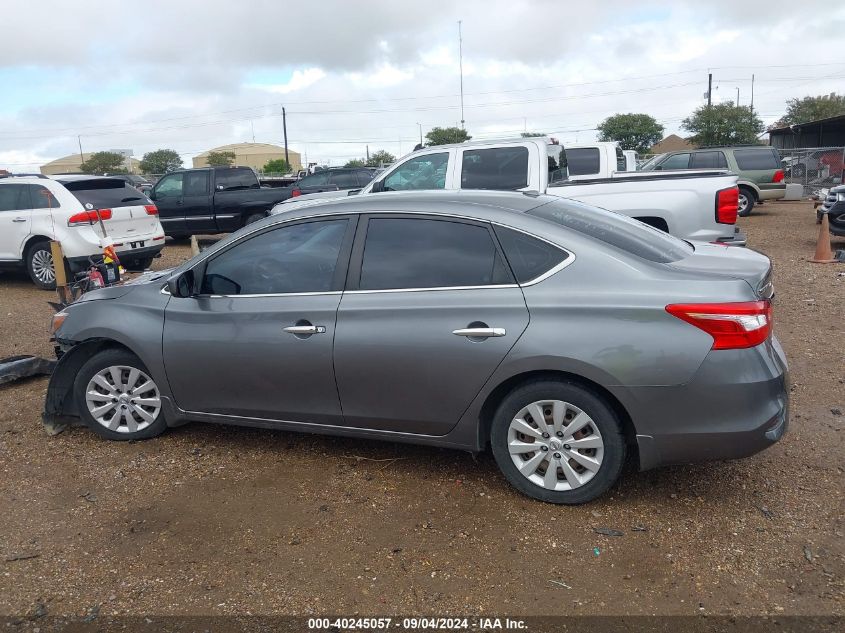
point(39, 265)
point(747, 200)
point(254, 217)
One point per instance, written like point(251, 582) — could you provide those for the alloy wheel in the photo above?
point(42, 266)
point(555, 445)
point(123, 399)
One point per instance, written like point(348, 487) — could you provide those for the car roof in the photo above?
point(446, 201)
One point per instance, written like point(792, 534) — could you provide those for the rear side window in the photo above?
point(615, 229)
point(402, 253)
point(196, 183)
point(709, 160)
point(528, 256)
point(42, 198)
point(620, 159)
point(14, 198)
point(107, 193)
point(364, 178)
point(750, 159)
point(500, 168)
point(583, 161)
point(233, 179)
point(315, 180)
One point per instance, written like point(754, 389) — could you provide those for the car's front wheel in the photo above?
point(117, 398)
point(558, 442)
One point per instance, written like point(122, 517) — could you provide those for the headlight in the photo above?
point(57, 320)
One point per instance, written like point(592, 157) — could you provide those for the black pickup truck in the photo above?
point(212, 200)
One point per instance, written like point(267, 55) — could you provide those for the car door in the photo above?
point(343, 180)
point(15, 219)
point(256, 339)
point(709, 160)
point(196, 202)
point(167, 195)
point(430, 310)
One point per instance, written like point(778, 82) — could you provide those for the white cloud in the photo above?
point(299, 80)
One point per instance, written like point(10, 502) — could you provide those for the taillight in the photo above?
point(295, 193)
point(89, 217)
point(727, 203)
point(151, 209)
point(778, 177)
point(732, 325)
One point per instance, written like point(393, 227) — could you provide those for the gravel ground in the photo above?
point(215, 520)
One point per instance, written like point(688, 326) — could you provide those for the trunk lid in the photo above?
point(129, 218)
point(731, 261)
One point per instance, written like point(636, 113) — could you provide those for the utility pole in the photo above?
point(368, 154)
point(252, 125)
point(81, 157)
point(285, 130)
point(752, 97)
point(420, 124)
point(709, 105)
point(737, 97)
point(461, 68)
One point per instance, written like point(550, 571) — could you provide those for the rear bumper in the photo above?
point(123, 254)
point(773, 194)
point(739, 239)
point(736, 405)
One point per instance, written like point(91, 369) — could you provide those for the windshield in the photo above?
point(615, 229)
point(646, 166)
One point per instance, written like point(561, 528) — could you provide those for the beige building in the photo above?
point(70, 165)
point(254, 155)
point(672, 143)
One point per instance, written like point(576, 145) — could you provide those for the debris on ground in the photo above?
point(608, 532)
point(25, 366)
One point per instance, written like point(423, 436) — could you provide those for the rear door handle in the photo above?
point(305, 329)
point(19, 220)
point(480, 332)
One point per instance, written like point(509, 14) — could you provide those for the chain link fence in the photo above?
point(814, 168)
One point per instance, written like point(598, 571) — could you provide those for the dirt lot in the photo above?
point(216, 520)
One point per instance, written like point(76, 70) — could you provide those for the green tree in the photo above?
point(276, 166)
point(356, 162)
point(723, 124)
point(379, 158)
point(632, 131)
point(531, 134)
point(812, 109)
point(161, 161)
point(103, 163)
point(446, 135)
point(220, 159)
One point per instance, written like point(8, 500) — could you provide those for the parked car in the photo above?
point(691, 205)
point(212, 200)
point(834, 206)
point(84, 213)
point(405, 317)
point(339, 179)
point(813, 165)
point(760, 172)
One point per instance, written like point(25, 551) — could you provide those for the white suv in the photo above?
point(84, 213)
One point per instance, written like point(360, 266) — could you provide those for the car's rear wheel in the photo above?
point(138, 264)
point(254, 217)
point(747, 200)
point(117, 398)
point(558, 442)
point(40, 265)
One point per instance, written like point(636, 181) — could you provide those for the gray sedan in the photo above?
point(564, 337)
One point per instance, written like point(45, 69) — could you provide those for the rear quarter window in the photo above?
point(583, 161)
point(617, 230)
point(750, 159)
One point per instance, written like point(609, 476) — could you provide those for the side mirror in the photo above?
point(378, 186)
point(181, 285)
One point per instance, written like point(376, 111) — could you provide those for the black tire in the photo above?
point(101, 361)
point(36, 255)
point(603, 417)
point(747, 200)
point(138, 265)
point(254, 217)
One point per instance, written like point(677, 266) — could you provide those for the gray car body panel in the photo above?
point(601, 319)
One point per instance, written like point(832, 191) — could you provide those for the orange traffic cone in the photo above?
point(824, 252)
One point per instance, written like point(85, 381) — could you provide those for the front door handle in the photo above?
point(19, 220)
point(305, 329)
point(480, 332)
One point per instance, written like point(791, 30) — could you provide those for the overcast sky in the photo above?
point(192, 75)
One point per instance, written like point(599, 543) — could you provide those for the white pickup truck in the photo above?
point(692, 205)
